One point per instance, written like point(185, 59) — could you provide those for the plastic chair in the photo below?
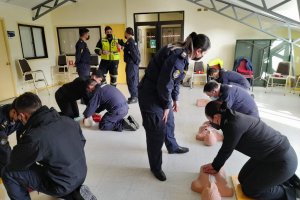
point(248, 74)
point(62, 68)
point(198, 71)
point(30, 76)
point(282, 73)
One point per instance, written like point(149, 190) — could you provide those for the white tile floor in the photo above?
point(117, 162)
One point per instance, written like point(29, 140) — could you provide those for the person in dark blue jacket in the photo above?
point(49, 156)
point(67, 95)
point(9, 123)
point(229, 78)
point(270, 171)
point(82, 54)
point(109, 98)
point(236, 98)
point(132, 59)
point(158, 96)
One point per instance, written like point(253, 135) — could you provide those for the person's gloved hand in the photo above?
point(88, 122)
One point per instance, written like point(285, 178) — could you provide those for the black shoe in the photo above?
point(132, 100)
point(295, 181)
point(180, 150)
point(132, 120)
point(160, 175)
point(82, 193)
point(128, 126)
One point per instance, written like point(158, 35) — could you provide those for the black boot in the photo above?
point(160, 175)
point(132, 120)
point(128, 126)
point(132, 100)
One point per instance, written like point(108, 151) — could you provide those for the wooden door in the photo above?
point(7, 89)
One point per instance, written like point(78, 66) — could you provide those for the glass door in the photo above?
point(147, 43)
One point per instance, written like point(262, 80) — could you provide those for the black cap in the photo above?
point(129, 31)
point(82, 31)
point(98, 74)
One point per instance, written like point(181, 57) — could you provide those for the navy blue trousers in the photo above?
point(158, 133)
point(132, 77)
point(110, 66)
point(5, 151)
point(113, 121)
point(83, 71)
point(262, 179)
point(17, 183)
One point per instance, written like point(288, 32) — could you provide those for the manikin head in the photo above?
point(108, 32)
point(26, 105)
point(84, 34)
point(212, 89)
point(129, 33)
point(214, 73)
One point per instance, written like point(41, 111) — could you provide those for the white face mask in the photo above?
point(214, 98)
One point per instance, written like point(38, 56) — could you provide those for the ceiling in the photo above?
point(24, 3)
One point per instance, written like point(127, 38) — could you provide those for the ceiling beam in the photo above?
point(271, 11)
point(47, 7)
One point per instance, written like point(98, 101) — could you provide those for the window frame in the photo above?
point(73, 27)
point(34, 45)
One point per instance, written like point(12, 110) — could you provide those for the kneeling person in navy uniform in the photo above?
point(229, 78)
point(49, 156)
point(236, 98)
point(67, 95)
point(109, 98)
point(9, 123)
point(158, 96)
point(132, 59)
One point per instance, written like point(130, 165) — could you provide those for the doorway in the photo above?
point(7, 88)
point(155, 30)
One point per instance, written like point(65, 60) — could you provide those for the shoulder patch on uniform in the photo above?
point(135, 43)
point(176, 74)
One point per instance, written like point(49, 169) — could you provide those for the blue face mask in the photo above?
point(214, 98)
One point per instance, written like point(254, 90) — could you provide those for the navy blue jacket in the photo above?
point(57, 144)
point(233, 78)
point(163, 76)
point(250, 136)
point(7, 127)
point(74, 90)
point(238, 99)
point(82, 55)
point(106, 97)
point(131, 52)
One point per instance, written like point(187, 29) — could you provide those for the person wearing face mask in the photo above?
point(67, 95)
point(82, 54)
point(158, 96)
point(270, 171)
point(132, 58)
point(108, 48)
point(49, 156)
point(9, 123)
point(236, 98)
point(229, 78)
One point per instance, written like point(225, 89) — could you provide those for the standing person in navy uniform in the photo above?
point(9, 123)
point(82, 55)
point(132, 58)
point(158, 96)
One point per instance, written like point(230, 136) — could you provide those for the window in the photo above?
point(68, 37)
point(33, 41)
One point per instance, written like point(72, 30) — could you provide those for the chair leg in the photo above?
point(272, 84)
point(34, 84)
point(268, 82)
point(46, 83)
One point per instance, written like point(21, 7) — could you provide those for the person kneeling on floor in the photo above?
point(107, 97)
point(49, 156)
point(270, 171)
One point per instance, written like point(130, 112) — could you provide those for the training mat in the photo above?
point(239, 195)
